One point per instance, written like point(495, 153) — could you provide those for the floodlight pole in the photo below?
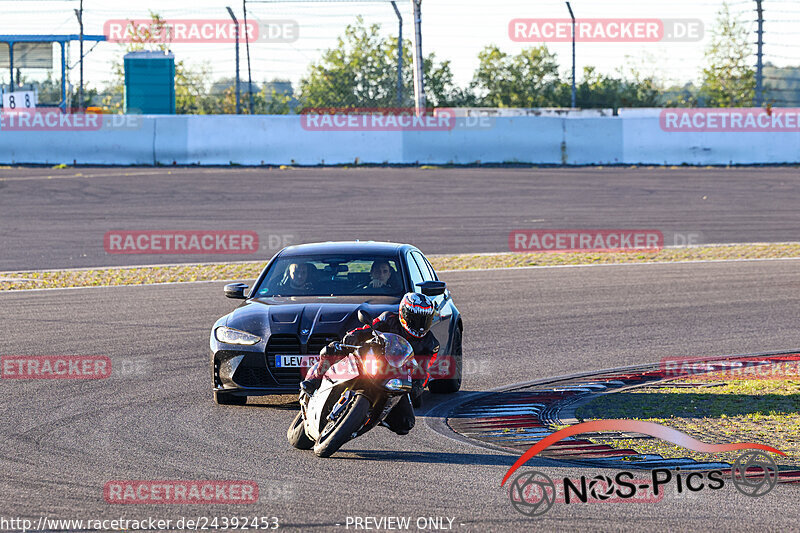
point(79, 14)
point(573, 54)
point(399, 55)
point(236, 29)
point(419, 82)
point(247, 45)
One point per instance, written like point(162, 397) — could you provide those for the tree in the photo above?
point(602, 91)
point(679, 96)
point(531, 79)
point(783, 89)
point(728, 78)
point(191, 86)
point(362, 72)
point(528, 79)
point(278, 97)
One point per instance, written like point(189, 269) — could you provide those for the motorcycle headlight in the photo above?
point(371, 364)
point(234, 336)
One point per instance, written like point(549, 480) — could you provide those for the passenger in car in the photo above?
point(382, 276)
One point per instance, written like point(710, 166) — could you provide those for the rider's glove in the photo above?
point(332, 348)
point(304, 397)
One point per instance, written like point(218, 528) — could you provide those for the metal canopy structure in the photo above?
point(60, 39)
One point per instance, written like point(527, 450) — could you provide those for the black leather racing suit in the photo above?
point(400, 419)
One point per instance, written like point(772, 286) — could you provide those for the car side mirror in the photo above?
point(432, 288)
point(235, 290)
point(364, 317)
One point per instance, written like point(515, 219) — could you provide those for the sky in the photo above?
point(455, 30)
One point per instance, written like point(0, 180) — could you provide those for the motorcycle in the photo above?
point(356, 394)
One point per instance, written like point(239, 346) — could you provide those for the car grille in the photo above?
point(317, 342)
point(283, 345)
point(290, 345)
point(250, 376)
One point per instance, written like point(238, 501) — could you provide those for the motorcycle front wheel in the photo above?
point(348, 423)
point(296, 434)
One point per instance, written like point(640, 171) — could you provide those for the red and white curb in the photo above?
point(515, 419)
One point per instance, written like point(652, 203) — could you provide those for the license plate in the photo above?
point(295, 361)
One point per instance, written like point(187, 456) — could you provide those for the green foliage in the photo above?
point(49, 91)
point(728, 79)
point(528, 79)
point(153, 38)
point(598, 91)
point(191, 96)
point(357, 73)
point(531, 79)
point(782, 85)
point(276, 103)
point(679, 96)
point(362, 72)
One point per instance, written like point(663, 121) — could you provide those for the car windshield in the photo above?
point(332, 275)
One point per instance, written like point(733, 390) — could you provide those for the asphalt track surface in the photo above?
point(63, 440)
point(56, 218)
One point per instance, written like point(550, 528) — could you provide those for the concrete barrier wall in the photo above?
point(104, 146)
point(631, 138)
point(645, 142)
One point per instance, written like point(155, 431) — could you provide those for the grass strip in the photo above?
point(746, 410)
point(145, 275)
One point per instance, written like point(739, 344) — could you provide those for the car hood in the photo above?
point(306, 316)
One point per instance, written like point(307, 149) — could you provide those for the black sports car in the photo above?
point(309, 295)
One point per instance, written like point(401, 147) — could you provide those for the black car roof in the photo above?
point(346, 247)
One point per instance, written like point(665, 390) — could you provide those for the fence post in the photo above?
point(419, 82)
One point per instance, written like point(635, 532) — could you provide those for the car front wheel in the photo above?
point(450, 385)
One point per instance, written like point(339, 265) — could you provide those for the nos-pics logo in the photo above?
point(533, 493)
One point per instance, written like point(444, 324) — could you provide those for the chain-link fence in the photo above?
point(298, 55)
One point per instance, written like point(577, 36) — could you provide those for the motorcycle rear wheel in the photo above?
point(348, 423)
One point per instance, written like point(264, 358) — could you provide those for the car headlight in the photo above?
point(234, 336)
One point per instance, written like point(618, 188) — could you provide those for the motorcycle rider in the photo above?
point(412, 322)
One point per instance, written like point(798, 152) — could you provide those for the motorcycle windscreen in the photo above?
point(396, 349)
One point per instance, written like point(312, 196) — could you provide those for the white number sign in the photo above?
point(19, 100)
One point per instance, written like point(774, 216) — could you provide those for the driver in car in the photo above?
point(413, 322)
point(297, 277)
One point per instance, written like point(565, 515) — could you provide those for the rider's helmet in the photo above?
point(416, 314)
